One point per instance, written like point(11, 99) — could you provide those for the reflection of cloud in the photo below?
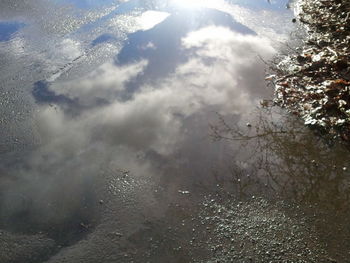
point(215, 4)
point(271, 24)
point(149, 45)
point(151, 117)
point(68, 49)
point(102, 83)
point(15, 48)
point(149, 19)
point(167, 38)
point(222, 73)
point(220, 42)
point(55, 183)
point(264, 22)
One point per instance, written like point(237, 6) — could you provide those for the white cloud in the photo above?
point(222, 74)
point(149, 45)
point(264, 22)
point(149, 19)
point(105, 82)
point(150, 119)
point(268, 23)
point(68, 49)
point(222, 43)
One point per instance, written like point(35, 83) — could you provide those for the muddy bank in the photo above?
point(314, 83)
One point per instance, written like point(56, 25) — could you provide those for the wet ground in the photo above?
point(143, 131)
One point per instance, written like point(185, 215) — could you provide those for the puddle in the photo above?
point(120, 131)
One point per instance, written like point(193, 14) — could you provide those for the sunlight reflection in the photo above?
point(151, 18)
point(198, 3)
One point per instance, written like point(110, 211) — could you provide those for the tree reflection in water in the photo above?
point(278, 155)
point(280, 159)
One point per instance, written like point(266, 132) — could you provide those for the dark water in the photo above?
point(143, 131)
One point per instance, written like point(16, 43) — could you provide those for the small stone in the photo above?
point(118, 234)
